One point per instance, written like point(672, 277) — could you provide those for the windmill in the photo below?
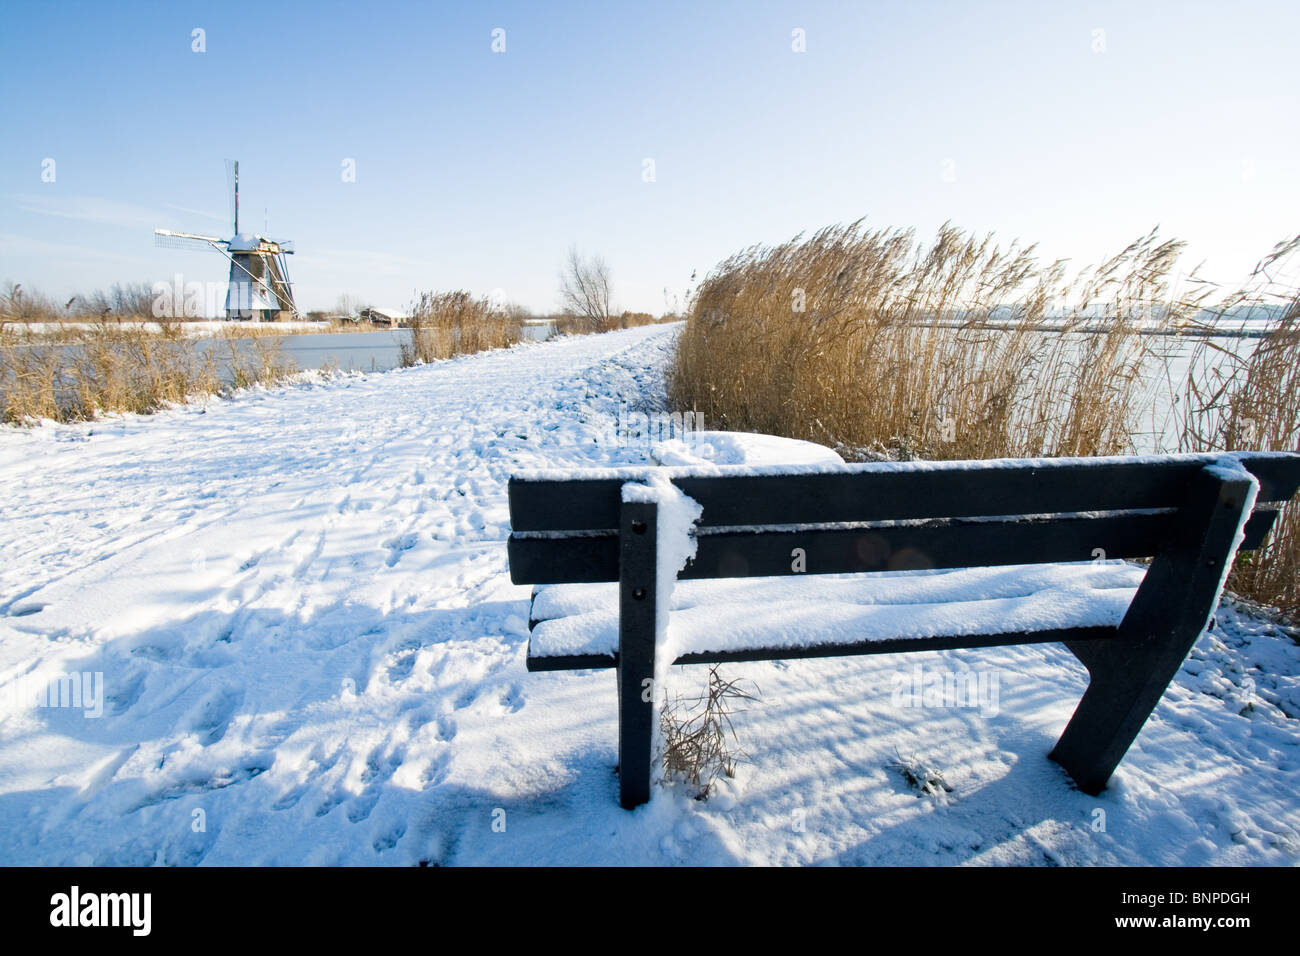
point(259, 276)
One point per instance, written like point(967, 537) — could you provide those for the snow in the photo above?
point(245, 242)
point(311, 653)
point(1229, 468)
point(708, 469)
point(674, 547)
point(800, 612)
point(738, 448)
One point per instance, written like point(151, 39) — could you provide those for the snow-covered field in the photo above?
point(309, 651)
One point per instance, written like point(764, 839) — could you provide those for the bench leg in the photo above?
point(637, 585)
point(1129, 673)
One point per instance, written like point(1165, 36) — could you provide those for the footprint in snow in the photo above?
point(328, 804)
point(388, 837)
point(401, 666)
point(290, 797)
point(513, 699)
point(128, 693)
point(211, 718)
point(360, 806)
point(395, 546)
point(446, 729)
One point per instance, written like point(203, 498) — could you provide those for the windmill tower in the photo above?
point(259, 275)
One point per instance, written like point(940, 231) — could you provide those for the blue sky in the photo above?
point(478, 170)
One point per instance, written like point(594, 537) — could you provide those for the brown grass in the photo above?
point(444, 324)
point(104, 368)
point(699, 740)
point(884, 347)
point(881, 346)
point(567, 323)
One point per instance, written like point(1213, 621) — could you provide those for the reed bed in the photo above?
point(886, 347)
point(444, 324)
point(88, 371)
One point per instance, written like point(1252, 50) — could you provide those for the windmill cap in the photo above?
point(245, 242)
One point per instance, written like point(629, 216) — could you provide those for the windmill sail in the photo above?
point(168, 239)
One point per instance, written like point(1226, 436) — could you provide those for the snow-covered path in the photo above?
point(311, 653)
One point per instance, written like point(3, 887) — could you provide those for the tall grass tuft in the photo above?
point(444, 324)
point(700, 743)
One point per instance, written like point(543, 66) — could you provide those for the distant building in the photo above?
point(393, 317)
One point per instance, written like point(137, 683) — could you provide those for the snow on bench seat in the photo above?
point(746, 613)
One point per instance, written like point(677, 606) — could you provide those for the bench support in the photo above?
point(637, 623)
point(1129, 674)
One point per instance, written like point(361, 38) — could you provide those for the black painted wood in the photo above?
point(580, 560)
point(944, 545)
point(594, 558)
point(885, 493)
point(571, 662)
point(902, 645)
point(1128, 675)
point(591, 535)
point(637, 609)
point(1258, 525)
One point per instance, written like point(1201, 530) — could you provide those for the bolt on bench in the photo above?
point(1184, 511)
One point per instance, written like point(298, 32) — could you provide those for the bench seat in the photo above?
point(576, 625)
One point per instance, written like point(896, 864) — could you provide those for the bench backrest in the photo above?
point(884, 516)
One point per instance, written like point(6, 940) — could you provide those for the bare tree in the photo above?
point(585, 290)
point(347, 305)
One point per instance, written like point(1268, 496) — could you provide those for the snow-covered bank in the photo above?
point(311, 653)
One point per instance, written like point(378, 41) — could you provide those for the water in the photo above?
point(1161, 396)
point(377, 351)
point(348, 351)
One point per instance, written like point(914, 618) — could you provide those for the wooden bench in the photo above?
point(1183, 511)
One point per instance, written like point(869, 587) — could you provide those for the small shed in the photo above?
point(393, 317)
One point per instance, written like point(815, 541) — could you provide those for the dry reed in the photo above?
point(444, 324)
point(888, 348)
point(1250, 399)
point(884, 347)
point(104, 368)
point(700, 746)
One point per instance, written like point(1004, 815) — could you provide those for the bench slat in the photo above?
point(594, 558)
point(851, 649)
point(882, 493)
point(770, 553)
